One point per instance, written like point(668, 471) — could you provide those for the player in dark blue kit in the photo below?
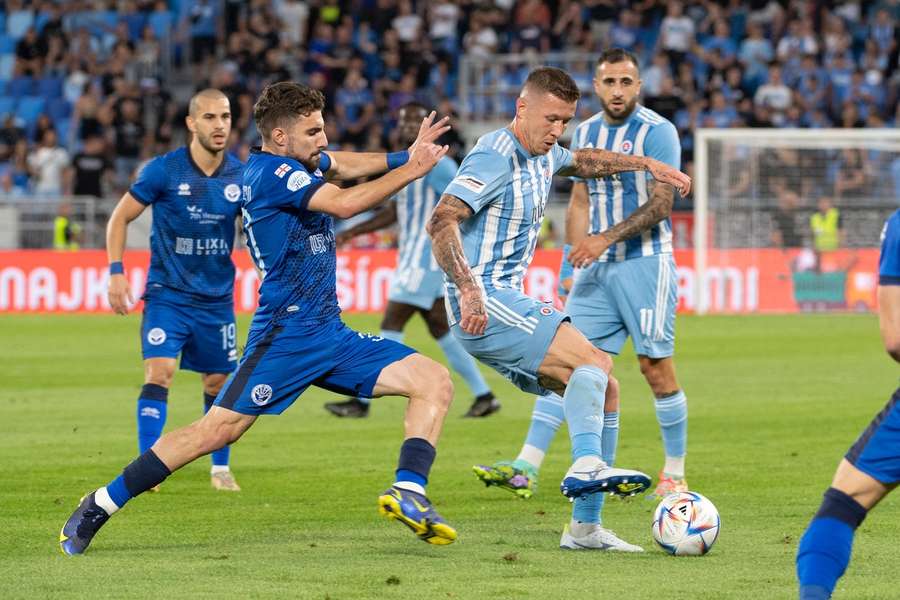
point(871, 468)
point(297, 338)
point(194, 193)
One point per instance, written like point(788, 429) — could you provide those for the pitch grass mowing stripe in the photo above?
point(774, 403)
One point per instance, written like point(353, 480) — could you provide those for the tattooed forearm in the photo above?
point(657, 208)
point(446, 243)
point(591, 163)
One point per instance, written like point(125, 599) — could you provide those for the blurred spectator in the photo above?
point(676, 34)
point(14, 175)
point(481, 41)
point(407, 23)
point(774, 95)
point(66, 232)
point(354, 108)
point(90, 169)
point(128, 134)
point(851, 178)
point(784, 230)
point(202, 17)
point(10, 134)
point(30, 53)
point(47, 164)
point(826, 227)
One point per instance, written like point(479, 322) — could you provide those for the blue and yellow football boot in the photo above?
point(82, 526)
point(589, 475)
point(516, 477)
point(415, 511)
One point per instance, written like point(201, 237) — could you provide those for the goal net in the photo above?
point(790, 220)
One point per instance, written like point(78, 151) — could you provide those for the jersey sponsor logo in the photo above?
point(232, 192)
point(201, 216)
point(298, 180)
point(261, 394)
point(195, 212)
point(156, 336)
point(184, 189)
point(184, 245)
point(281, 171)
point(470, 183)
point(627, 147)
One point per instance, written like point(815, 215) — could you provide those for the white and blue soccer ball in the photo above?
point(686, 524)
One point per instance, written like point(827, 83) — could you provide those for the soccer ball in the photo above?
point(686, 524)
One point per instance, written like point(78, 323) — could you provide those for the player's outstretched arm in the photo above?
point(127, 210)
point(352, 165)
point(889, 318)
point(592, 162)
point(657, 208)
point(446, 245)
point(347, 202)
point(385, 217)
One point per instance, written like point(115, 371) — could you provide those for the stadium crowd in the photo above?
point(90, 88)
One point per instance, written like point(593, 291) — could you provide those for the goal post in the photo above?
point(757, 246)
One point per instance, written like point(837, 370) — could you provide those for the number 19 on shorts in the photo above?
point(228, 334)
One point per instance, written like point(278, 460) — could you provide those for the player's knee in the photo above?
point(437, 326)
point(599, 359)
point(434, 383)
point(160, 376)
point(213, 383)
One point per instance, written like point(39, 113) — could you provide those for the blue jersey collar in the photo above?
point(187, 150)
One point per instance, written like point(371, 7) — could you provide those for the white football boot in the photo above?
point(597, 538)
point(589, 474)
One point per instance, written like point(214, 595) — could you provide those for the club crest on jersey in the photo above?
point(546, 311)
point(232, 192)
point(298, 180)
point(261, 394)
point(184, 189)
point(156, 336)
point(627, 147)
point(281, 171)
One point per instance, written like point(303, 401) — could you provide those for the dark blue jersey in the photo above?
point(889, 261)
point(193, 226)
point(292, 247)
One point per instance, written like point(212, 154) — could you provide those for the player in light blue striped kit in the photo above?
point(622, 235)
point(484, 231)
point(418, 285)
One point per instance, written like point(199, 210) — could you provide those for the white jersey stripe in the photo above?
point(640, 183)
point(500, 307)
point(618, 193)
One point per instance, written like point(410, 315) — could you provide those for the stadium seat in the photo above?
point(50, 87)
point(20, 86)
point(7, 105)
point(29, 108)
point(7, 44)
point(59, 109)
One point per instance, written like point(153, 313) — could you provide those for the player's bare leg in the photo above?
point(396, 316)
point(427, 385)
point(671, 412)
point(220, 475)
point(217, 428)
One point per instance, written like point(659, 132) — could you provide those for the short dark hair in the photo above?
point(553, 81)
point(284, 101)
point(414, 105)
point(617, 55)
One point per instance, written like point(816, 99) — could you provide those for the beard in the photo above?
point(621, 113)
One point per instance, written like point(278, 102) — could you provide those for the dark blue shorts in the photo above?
point(280, 362)
point(204, 336)
point(877, 451)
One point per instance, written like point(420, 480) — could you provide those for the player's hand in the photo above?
point(474, 314)
point(119, 294)
point(425, 157)
point(429, 131)
point(588, 250)
point(666, 174)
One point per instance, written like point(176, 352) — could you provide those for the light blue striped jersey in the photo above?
point(507, 189)
point(414, 205)
point(613, 199)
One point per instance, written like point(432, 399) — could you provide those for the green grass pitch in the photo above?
point(774, 402)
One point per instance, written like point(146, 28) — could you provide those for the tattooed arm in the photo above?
point(593, 163)
point(657, 208)
point(446, 245)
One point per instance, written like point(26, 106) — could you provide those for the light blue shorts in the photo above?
point(635, 297)
point(519, 332)
point(417, 287)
